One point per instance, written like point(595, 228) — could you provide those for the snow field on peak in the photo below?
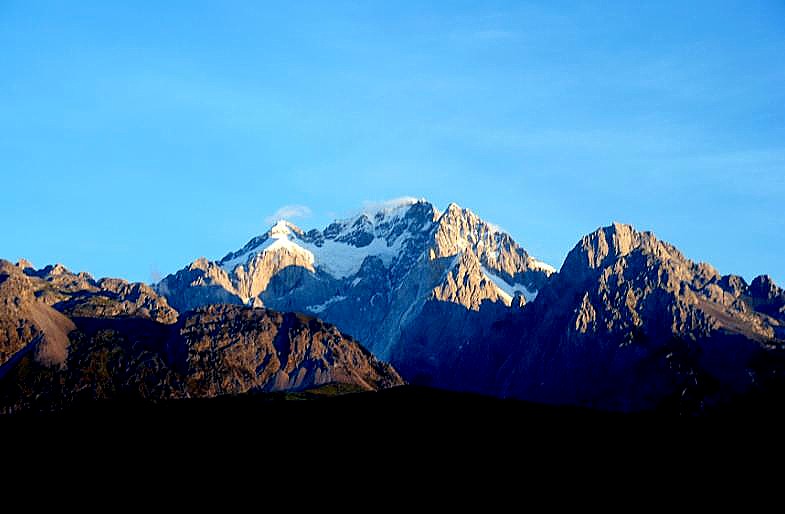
point(340, 260)
point(391, 211)
point(542, 266)
point(507, 291)
point(343, 260)
point(279, 240)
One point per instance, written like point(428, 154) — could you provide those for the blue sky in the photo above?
point(135, 138)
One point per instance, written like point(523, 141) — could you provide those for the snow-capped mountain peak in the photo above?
point(373, 273)
point(387, 220)
point(281, 230)
point(282, 236)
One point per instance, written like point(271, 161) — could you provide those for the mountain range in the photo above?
point(66, 340)
point(390, 277)
point(628, 323)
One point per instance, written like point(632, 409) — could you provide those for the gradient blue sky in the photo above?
point(135, 138)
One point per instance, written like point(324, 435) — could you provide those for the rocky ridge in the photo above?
point(79, 294)
point(629, 323)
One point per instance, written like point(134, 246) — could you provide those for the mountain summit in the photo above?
point(379, 275)
point(630, 323)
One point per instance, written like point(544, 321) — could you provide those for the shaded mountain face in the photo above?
point(115, 340)
point(629, 323)
point(388, 276)
point(28, 325)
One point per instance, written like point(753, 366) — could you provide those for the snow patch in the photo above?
point(507, 291)
point(343, 260)
point(280, 238)
point(494, 228)
point(390, 211)
point(340, 260)
point(539, 265)
point(322, 306)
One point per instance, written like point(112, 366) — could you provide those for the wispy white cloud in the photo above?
point(288, 212)
point(372, 206)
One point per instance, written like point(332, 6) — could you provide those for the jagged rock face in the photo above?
point(79, 295)
point(460, 229)
point(209, 352)
point(36, 306)
point(118, 298)
point(27, 325)
point(373, 275)
point(765, 297)
point(466, 284)
point(206, 283)
point(54, 283)
point(630, 324)
point(643, 276)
